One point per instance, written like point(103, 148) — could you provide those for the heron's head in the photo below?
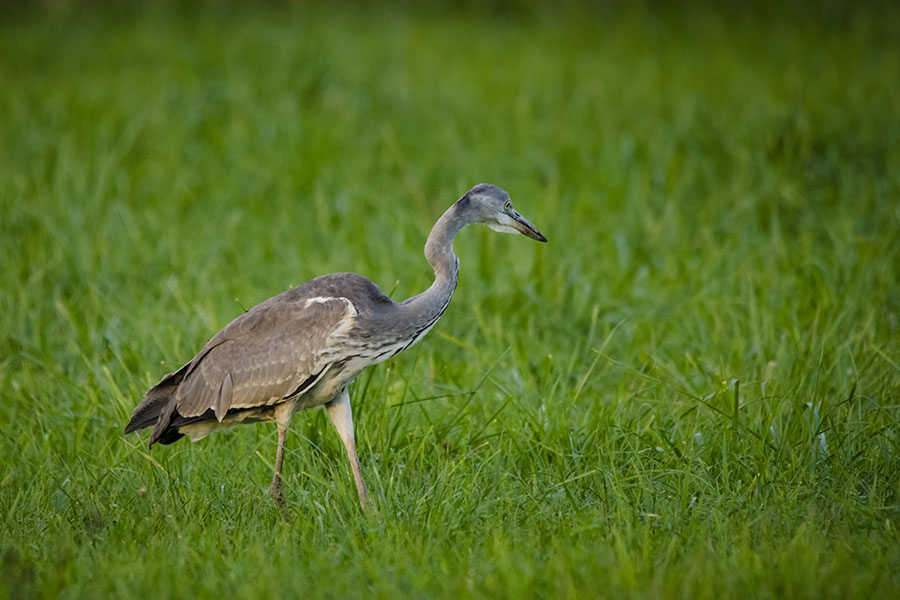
point(488, 204)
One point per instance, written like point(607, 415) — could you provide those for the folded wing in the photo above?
point(274, 351)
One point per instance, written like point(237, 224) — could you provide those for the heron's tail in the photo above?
point(156, 409)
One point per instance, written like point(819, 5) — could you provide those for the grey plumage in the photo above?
point(303, 347)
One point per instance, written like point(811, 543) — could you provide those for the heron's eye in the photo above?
point(508, 205)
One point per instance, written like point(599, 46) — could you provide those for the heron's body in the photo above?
point(303, 347)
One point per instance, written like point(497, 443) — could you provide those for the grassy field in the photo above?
point(691, 391)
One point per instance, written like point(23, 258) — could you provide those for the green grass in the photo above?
point(691, 391)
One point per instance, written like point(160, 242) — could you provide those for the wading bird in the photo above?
point(303, 347)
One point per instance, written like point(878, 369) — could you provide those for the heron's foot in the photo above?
point(367, 504)
point(277, 495)
point(370, 511)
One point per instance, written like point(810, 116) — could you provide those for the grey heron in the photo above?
point(303, 347)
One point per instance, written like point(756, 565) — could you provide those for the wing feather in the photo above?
point(223, 402)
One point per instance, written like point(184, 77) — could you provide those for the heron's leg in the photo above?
point(283, 414)
point(279, 462)
point(342, 419)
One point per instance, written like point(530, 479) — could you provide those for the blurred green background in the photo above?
point(691, 391)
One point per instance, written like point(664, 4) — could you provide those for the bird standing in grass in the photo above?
point(303, 347)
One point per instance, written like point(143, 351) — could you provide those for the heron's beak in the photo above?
point(524, 226)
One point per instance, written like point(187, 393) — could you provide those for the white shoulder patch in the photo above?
point(319, 300)
point(323, 299)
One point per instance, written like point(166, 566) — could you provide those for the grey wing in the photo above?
point(271, 352)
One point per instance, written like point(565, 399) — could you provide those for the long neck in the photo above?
point(428, 306)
